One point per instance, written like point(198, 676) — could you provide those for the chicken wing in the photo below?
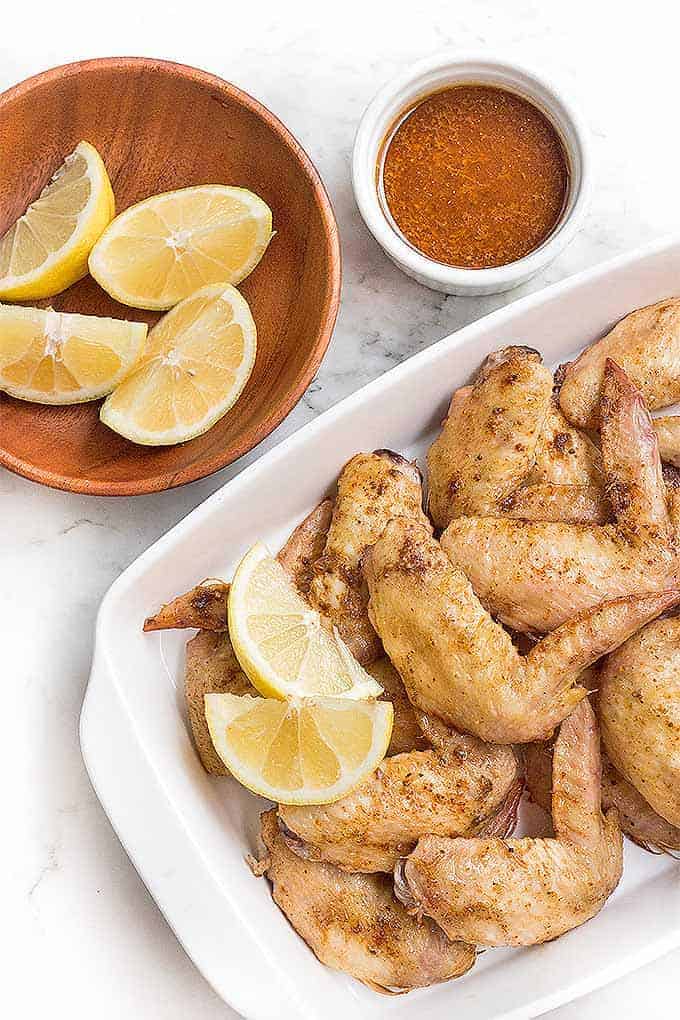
point(519, 892)
point(667, 428)
point(373, 488)
point(535, 575)
point(458, 663)
point(565, 455)
point(211, 667)
point(637, 819)
point(406, 733)
point(205, 606)
point(639, 711)
point(450, 790)
point(646, 344)
point(488, 441)
point(354, 923)
point(545, 501)
point(306, 544)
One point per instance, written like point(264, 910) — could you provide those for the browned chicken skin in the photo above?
point(506, 450)
point(459, 664)
point(450, 790)
point(639, 711)
point(372, 488)
point(406, 733)
point(211, 667)
point(637, 819)
point(646, 344)
point(353, 922)
point(488, 441)
point(306, 544)
point(667, 430)
point(535, 575)
point(519, 892)
point(565, 455)
point(205, 607)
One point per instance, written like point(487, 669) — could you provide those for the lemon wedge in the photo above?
point(57, 358)
point(309, 751)
point(46, 250)
point(195, 364)
point(161, 250)
point(282, 643)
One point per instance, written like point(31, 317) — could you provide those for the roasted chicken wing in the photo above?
point(637, 819)
point(406, 733)
point(205, 606)
point(373, 488)
point(354, 923)
point(211, 667)
point(565, 455)
point(519, 892)
point(667, 430)
point(488, 441)
point(449, 790)
point(639, 712)
point(535, 575)
point(458, 663)
point(646, 344)
point(306, 544)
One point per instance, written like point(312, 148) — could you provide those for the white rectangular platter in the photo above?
point(187, 833)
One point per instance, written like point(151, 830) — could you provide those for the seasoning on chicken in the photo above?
point(205, 607)
point(372, 488)
point(488, 440)
point(536, 575)
point(639, 712)
point(637, 819)
point(450, 790)
point(646, 344)
point(458, 663)
point(519, 892)
point(353, 922)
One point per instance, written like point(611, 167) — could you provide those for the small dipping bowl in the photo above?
point(434, 74)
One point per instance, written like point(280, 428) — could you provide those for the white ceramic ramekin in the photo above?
point(431, 75)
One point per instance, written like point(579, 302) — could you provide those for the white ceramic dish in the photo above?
point(430, 75)
point(187, 832)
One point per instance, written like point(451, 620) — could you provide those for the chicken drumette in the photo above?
point(535, 575)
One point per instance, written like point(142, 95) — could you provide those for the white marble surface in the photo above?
point(82, 936)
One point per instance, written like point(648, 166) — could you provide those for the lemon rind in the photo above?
point(49, 279)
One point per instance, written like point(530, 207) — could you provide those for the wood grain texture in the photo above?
point(160, 126)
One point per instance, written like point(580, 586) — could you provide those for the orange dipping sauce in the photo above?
point(475, 177)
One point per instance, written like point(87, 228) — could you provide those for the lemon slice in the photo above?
point(281, 642)
point(307, 751)
point(196, 362)
point(161, 250)
point(46, 250)
point(56, 358)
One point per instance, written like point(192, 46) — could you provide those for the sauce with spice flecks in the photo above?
point(475, 176)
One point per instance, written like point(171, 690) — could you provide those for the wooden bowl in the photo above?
point(160, 126)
